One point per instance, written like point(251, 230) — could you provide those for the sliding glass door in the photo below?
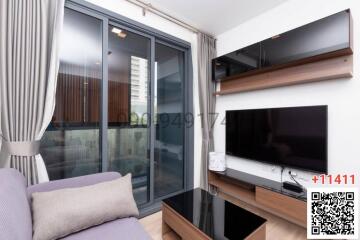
point(128, 104)
point(120, 106)
point(169, 112)
point(71, 145)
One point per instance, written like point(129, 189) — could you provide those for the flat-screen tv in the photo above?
point(290, 137)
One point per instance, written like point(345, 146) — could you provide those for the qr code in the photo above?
point(332, 213)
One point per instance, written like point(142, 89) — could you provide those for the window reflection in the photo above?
point(128, 134)
point(70, 146)
point(169, 161)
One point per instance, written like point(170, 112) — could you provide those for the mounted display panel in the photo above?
point(293, 136)
point(326, 38)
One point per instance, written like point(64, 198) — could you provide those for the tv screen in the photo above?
point(291, 137)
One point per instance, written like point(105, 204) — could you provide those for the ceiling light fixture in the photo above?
point(122, 35)
point(119, 32)
point(116, 30)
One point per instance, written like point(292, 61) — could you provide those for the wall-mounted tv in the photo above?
point(291, 137)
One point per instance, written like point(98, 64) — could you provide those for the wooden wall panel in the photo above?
point(94, 99)
point(78, 97)
point(69, 99)
point(118, 102)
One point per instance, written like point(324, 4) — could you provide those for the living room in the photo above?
point(131, 119)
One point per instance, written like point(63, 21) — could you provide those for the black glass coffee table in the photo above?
point(197, 214)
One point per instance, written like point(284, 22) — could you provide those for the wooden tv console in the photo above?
point(262, 193)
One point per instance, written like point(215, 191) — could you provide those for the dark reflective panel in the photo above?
point(325, 35)
point(128, 134)
point(70, 146)
point(293, 136)
point(214, 216)
point(169, 140)
point(240, 61)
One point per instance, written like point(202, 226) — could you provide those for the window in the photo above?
point(128, 141)
point(169, 143)
point(119, 105)
point(70, 146)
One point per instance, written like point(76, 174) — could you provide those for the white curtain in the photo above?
point(29, 46)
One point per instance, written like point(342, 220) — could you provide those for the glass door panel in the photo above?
point(169, 128)
point(128, 96)
point(70, 146)
point(145, 77)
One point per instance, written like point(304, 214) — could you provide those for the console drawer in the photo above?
point(287, 206)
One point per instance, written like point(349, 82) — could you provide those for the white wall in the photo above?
point(135, 13)
point(341, 96)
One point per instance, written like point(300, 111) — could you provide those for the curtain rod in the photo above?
point(148, 7)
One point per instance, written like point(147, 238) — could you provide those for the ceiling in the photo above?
point(214, 16)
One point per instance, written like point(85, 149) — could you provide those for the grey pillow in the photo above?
point(62, 212)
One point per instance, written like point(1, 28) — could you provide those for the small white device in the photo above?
point(217, 161)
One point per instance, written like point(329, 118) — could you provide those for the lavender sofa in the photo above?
point(15, 209)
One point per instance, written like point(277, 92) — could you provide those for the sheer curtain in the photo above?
point(206, 52)
point(29, 46)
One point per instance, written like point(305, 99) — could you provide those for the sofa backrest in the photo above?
point(15, 213)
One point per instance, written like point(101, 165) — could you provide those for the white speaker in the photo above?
point(217, 161)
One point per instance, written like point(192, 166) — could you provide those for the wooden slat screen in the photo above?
point(78, 97)
point(118, 102)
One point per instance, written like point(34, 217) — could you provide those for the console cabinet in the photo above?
point(287, 206)
point(262, 193)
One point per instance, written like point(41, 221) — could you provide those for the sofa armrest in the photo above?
point(82, 181)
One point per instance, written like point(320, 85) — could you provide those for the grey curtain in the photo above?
point(206, 52)
point(29, 46)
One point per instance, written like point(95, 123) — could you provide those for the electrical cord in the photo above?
point(292, 178)
point(281, 176)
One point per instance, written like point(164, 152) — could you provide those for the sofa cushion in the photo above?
point(74, 182)
point(62, 212)
point(15, 214)
point(126, 228)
